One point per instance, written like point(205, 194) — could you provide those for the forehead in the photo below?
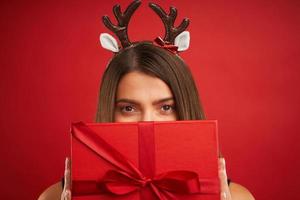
point(140, 86)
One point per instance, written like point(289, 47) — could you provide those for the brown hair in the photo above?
point(154, 61)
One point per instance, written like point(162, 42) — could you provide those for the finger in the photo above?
point(225, 192)
point(67, 177)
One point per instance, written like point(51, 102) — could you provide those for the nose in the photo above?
point(147, 116)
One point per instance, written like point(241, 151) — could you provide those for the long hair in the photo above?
point(154, 61)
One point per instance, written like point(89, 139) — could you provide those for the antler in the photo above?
point(168, 20)
point(123, 20)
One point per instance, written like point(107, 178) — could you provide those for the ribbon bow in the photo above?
point(163, 185)
point(166, 45)
point(128, 178)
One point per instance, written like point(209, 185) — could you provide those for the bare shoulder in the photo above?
point(239, 192)
point(53, 192)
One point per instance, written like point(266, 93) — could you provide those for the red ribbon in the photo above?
point(165, 44)
point(127, 178)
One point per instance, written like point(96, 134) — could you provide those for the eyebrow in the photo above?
point(125, 100)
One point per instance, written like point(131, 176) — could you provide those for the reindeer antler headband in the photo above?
point(175, 39)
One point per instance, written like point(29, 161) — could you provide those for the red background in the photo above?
point(244, 56)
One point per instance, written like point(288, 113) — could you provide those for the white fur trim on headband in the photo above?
point(182, 41)
point(109, 42)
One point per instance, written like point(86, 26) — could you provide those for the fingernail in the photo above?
point(223, 164)
point(224, 195)
point(224, 167)
point(66, 163)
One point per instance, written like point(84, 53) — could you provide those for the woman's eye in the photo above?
point(167, 108)
point(127, 109)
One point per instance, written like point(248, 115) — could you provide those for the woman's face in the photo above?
point(141, 97)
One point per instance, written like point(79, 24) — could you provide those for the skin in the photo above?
point(141, 97)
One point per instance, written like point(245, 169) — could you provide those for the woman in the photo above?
point(147, 81)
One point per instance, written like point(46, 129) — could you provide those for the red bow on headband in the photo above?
point(166, 45)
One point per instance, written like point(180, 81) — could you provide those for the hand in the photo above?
point(225, 192)
point(66, 193)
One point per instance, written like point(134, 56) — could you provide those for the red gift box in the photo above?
point(145, 160)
